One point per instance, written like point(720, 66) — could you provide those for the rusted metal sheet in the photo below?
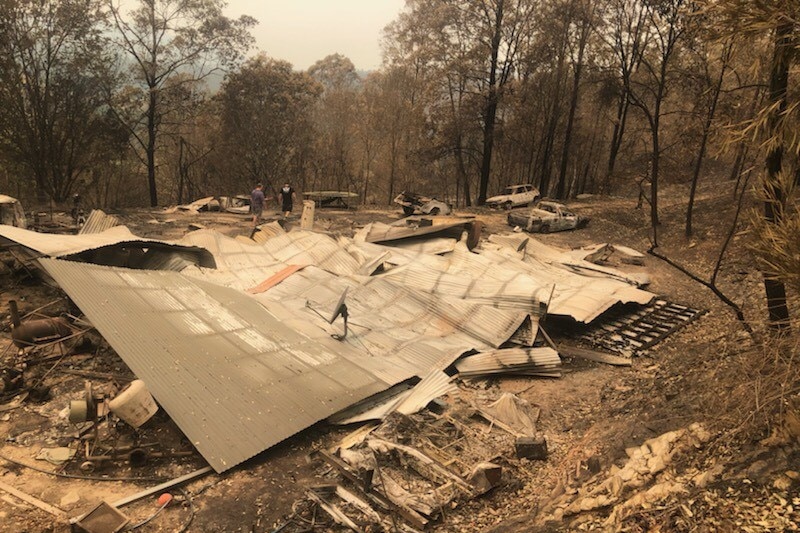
point(97, 222)
point(237, 376)
point(274, 279)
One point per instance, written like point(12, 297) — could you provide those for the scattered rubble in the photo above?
point(245, 342)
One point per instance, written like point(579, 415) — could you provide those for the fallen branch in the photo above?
point(710, 286)
point(712, 283)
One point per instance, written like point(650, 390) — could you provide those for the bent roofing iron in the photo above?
point(235, 375)
point(114, 246)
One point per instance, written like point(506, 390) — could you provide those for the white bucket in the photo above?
point(135, 405)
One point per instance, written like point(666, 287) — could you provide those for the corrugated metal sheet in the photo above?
point(500, 278)
point(52, 245)
point(410, 227)
point(515, 241)
point(405, 401)
point(97, 222)
point(268, 231)
point(535, 252)
point(387, 318)
point(578, 295)
point(531, 361)
point(373, 408)
point(297, 248)
point(432, 386)
point(236, 376)
point(197, 205)
point(518, 291)
point(435, 245)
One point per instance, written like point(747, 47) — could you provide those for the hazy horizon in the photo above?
point(305, 31)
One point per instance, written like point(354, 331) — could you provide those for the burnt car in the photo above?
point(546, 217)
point(514, 196)
point(11, 212)
point(418, 204)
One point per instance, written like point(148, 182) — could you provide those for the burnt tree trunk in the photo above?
point(490, 111)
point(552, 126)
point(712, 110)
point(773, 188)
point(462, 171)
point(573, 106)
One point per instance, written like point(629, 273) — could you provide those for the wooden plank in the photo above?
point(333, 511)
point(44, 506)
point(428, 467)
point(411, 516)
point(593, 355)
point(163, 486)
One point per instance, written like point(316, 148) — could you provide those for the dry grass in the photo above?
point(765, 398)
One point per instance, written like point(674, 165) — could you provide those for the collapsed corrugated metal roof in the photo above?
point(97, 222)
point(536, 252)
point(434, 245)
point(575, 294)
point(387, 318)
point(264, 232)
point(296, 248)
point(504, 280)
point(116, 246)
point(236, 376)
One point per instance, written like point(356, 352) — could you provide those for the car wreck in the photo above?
point(546, 217)
point(417, 204)
point(514, 196)
point(11, 212)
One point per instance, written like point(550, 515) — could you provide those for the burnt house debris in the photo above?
point(245, 342)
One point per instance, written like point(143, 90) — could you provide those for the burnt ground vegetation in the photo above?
point(736, 469)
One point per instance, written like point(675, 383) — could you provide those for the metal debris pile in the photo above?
point(247, 341)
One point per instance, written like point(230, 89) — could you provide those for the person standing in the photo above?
point(257, 200)
point(286, 197)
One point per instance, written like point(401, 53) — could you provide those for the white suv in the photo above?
point(514, 196)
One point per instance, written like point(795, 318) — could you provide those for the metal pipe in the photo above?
point(40, 331)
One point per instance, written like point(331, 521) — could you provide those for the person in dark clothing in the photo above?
point(257, 203)
point(286, 197)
